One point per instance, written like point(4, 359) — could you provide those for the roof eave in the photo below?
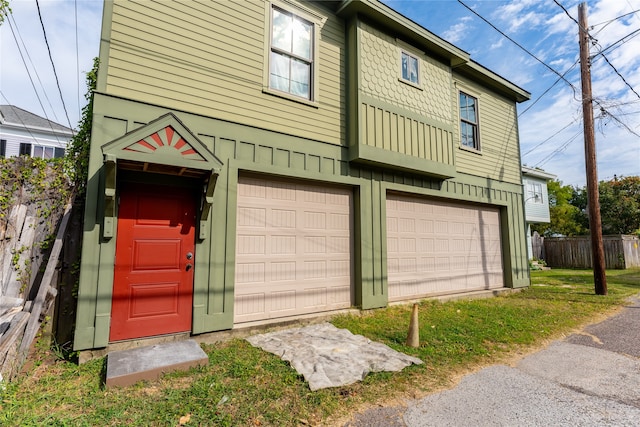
point(482, 74)
point(537, 173)
point(403, 26)
point(20, 126)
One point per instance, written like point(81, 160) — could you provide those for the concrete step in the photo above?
point(127, 367)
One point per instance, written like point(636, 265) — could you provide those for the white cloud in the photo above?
point(497, 45)
point(458, 31)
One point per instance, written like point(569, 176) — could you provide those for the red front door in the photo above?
point(153, 277)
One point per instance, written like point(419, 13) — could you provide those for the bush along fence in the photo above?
point(34, 211)
point(620, 251)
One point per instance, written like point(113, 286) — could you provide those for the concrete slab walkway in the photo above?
point(127, 367)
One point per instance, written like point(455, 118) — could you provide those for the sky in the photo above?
point(550, 124)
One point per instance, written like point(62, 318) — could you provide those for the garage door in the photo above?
point(436, 247)
point(293, 249)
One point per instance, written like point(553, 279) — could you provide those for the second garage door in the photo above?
point(438, 247)
point(293, 249)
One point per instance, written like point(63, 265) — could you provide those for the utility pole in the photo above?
point(593, 198)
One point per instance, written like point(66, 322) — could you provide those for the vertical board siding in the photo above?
point(393, 131)
point(208, 58)
point(499, 156)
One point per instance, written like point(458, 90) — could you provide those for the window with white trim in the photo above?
point(3, 148)
point(469, 135)
point(409, 68)
point(291, 54)
point(41, 151)
point(534, 192)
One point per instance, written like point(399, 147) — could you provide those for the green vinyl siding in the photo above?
point(208, 58)
point(499, 154)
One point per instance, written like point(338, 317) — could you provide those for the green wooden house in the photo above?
point(266, 160)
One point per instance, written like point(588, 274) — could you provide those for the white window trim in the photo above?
point(309, 16)
point(472, 94)
point(414, 53)
point(532, 188)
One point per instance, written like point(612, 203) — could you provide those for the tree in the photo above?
point(5, 10)
point(77, 157)
point(620, 205)
point(566, 219)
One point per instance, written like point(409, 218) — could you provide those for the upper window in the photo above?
point(291, 54)
point(469, 136)
point(534, 192)
point(410, 68)
point(3, 148)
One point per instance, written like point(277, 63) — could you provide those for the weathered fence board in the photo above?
point(9, 243)
point(9, 343)
point(620, 252)
point(45, 288)
point(537, 246)
point(35, 193)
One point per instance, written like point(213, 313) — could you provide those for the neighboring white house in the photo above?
point(536, 199)
point(25, 133)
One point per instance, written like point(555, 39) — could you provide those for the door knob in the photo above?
point(189, 266)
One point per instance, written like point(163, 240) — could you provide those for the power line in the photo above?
point(519, 45)
point(33, 66)
point(546, 140)
point(30, 79)
point(548, 89)
point(605, 113)
point(620, 75)
point(13, 107)
point(613, 20)
point(567, 12)
point(557, 150)
point(53, 66)
point(623, 40)
point(601, 53)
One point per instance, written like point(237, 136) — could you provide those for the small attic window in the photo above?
point(409, 68)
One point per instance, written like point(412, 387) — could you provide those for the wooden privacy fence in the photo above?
point(21, 313)
point(620, 251)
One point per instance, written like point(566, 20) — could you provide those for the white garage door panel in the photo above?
point(441, 247)
point(293, 249)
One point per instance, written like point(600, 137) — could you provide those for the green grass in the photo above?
point(246, 386)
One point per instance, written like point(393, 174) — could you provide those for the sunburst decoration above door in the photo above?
point(164, 139)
